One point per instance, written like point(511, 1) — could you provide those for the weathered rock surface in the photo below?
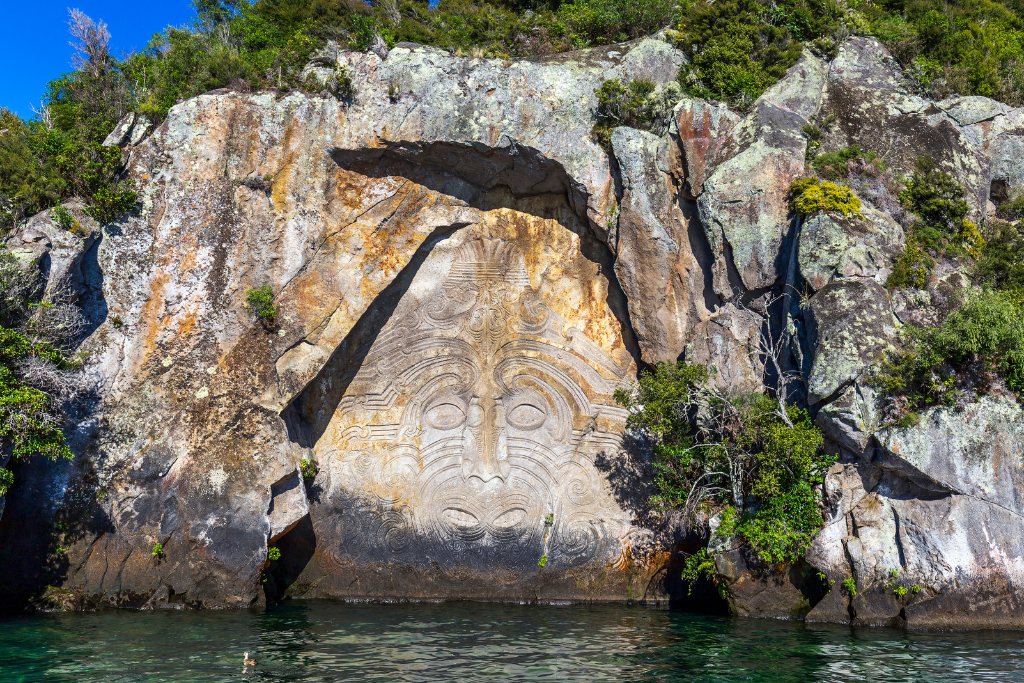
point(835, 246)
point(654, 262)
point(849, 323)
point(56, 252)
point(975, 451)
point(462, 279)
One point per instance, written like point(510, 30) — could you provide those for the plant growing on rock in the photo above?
point(976, 349)
point(274, 554)
point(913, 268)
point(938, 201)
point(738, 48)
point(810, 195)
point(732, 449)
point(621, 105)
point(260, 304)
point(309, 469)
point(341, 83)
point(850, 586)
point(849, 161)
point(157, 551)
point(699, 566)
point(36, 370)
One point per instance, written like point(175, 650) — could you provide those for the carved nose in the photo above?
point(486, 452)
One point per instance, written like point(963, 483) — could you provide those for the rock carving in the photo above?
point(472, 419)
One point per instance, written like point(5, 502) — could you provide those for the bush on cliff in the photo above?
point(978, 349)
point(718, 450)
point(738, 48)
point(940, 226)
point(36, 372)
point(810, 195)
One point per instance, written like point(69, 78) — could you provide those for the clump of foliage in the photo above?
point(913, 268)
point(702, 565)
point(260, 304)
point(1001, 265)
point(274, 554)
point(850, 586)
point(739, 48)
point(938, 201)
point(309, 469)
point(632, 105)
point(978, 348)
point(811, 194)
point(848, 161)
point(342, 86)
point(595, 22)
point(36, 370)
point(157, 551)
point(1012, 210)
point(743, 450)
point(972, 47)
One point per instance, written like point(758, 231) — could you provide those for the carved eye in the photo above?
point(526, 416)
point(460, 518)
point(510, 518)
point(445, 415)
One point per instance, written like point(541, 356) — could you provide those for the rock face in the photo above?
point(462, 278)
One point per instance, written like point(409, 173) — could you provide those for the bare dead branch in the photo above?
point(92, 42)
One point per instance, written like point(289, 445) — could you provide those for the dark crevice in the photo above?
point(701, 250)
point(297, 548)
point(899, 541)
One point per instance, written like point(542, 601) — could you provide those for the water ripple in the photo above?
point(322, 641)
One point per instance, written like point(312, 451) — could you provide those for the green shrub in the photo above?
point(738, 48)
point(343, 87)
point(938, 201)
point(1012, 210)
point(1001, 265)
point(727, 447)
point(977, 344)
point(913, 268)
point(810, 195)
point(109, 202)
point(260, 304)
point(972, 47)
point(622, 105)
point(848, 161)
point(63, 217)
point(158, 550)
point(274, 554)
point(701, 565)
point(6, 481)
point(850, 585)
point(309, 469)
point(596, 22)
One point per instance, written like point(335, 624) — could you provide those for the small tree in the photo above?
point(750, 452)
point(92, 42)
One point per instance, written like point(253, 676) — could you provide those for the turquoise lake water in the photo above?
point(325, 641)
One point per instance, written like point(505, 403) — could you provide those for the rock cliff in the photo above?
point(463, 278)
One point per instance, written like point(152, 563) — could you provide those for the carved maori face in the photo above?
point(470, 427)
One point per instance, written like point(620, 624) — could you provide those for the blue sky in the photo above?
point(34, 39)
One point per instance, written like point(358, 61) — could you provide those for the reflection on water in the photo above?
point(324, 641)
